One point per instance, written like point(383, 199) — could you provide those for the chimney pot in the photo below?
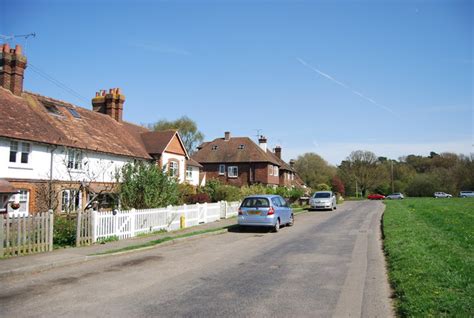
point(18, 49)
point(227, 135)
point(278, 151)
point(6, 48)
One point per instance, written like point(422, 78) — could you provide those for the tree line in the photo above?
point(363, 172)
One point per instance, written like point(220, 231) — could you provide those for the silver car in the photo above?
point(265, 210)
point(323, 200)
point(466, 194)
point(442, 195)
point(395, 196)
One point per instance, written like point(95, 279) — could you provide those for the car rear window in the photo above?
point(322, 195)
point(255, 203)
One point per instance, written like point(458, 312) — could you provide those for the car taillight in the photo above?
point(271, 211)
point(240, 212)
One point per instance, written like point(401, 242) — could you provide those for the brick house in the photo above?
point(51, 146)
point(239, 161)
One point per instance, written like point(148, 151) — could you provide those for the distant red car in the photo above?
point(375, 196)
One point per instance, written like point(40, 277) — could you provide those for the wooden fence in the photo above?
point(26, 234)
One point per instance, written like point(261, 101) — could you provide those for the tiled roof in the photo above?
point(6, 187)
point(236, 149)
point(194, 163)
point(156, 141)
point(27, 117)
point(283, 164)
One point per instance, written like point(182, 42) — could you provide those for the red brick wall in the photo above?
point(249, 173)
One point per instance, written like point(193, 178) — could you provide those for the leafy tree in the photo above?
point(338, 185)
point(145, 186)
point(187, 128)
point(314, 170)
point(364, 168)
point(323, 187)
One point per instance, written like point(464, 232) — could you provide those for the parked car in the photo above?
point(375, 196)
point(323, 200)
point(466, 194)
point(395, 196)
point(442, 195)
point(265, 210)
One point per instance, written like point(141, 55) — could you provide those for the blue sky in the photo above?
point(296, 70)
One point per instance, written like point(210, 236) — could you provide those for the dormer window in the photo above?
point(240, 147)
point(51, 108)
point(214, 147)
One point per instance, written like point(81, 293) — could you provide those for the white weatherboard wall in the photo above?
point(96, 167)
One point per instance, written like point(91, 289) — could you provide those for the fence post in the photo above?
point(169, 220)
point(133, 214)
point(78, 227)
point(51, 229)
point(116, 224)
point(205, 212)
point(226, 208)
point(93, 226)
point(2, 221)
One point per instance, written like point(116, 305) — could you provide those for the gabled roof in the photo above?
point(156, 142)
point(234, 150)
point(37, 118)
point(283, 164)
point(194, 163)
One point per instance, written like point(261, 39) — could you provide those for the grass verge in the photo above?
point(429, 248)
point(159, 241)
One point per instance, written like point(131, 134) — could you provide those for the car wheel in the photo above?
point(276, 228)
point(334, 207)
point(292, 220)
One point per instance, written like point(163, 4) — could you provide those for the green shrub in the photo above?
point(295, 193)
point(64, 231)
point(104, 240)
point(227, 193)
point(145, 186)
point(323, 187)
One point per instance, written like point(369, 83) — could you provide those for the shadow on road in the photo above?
point(248, 229)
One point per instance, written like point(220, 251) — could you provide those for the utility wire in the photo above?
point(57, 83)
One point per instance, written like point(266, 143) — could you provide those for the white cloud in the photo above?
point(335, 152)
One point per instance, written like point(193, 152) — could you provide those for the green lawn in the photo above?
point(430, 253)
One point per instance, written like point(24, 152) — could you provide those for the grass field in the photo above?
point(430, 251)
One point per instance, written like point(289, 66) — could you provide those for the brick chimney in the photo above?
point(262, 142)
point(12, 68)
point(278, 151)
point(110, 103)
point(227, 135)
point(292, 163)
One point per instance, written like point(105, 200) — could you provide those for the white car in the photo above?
point(323, 200)
point(466, 194)
point(395, 196)
point(442, 195)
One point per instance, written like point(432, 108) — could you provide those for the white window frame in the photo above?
point(173, 168)
point(270, 170)
point(233, 171)
point(23, 197)
point(21, 150)
point(74, 159)
point(222, 170)
point(66, 196)
point(189, 173)
point(275, 171)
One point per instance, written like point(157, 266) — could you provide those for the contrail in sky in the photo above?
point(329, 77)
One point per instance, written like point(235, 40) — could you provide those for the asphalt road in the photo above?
point(329, 264)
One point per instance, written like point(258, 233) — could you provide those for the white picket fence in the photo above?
point(130, 223)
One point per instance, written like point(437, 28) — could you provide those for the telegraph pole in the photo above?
point(391, 164)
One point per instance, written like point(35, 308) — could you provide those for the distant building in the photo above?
point(239, 161)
